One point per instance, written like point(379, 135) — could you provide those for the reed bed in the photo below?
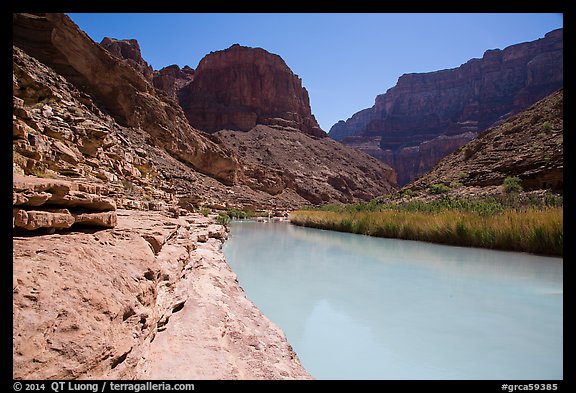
point(534, 230)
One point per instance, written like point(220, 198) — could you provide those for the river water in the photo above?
point(357, 307)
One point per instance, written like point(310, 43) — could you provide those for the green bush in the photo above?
point(512, 184)
point(438, 188)
point(223, 219)
point(236, 214)
point(409, 193)
point(204, 211)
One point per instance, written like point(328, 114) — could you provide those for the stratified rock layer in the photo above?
point(529, 145)
point(241, 87)
point(57, 204)
point(121, 90)
point(454, 102)
point(87, 114)
point(130, 51)
point(144, 300)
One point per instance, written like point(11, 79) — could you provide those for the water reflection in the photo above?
point(356, 307)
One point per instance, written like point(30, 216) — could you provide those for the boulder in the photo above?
point(36, 219)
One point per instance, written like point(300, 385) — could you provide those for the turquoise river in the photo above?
point(357, 307)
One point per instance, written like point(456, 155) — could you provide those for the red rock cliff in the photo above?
point(241, 87)
point(451, 102)
point(128, 50)
point(122, 91)
point(172, 78)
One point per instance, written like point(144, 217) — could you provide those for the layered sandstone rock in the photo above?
point(58, 132)
point(66, 130)
point(144, 300)
point(529, 145)
point(129, 50)
point(241, 87)
point(322, 170)
point(470, 98)
point(59, 204)
point(122, 91)
point(172, 78)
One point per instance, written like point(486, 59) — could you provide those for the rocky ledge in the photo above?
point(150, 298)
point(56, 204)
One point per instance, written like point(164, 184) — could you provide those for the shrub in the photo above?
point(223, 219)
point(236, 214)
point(204, 211)
point(128, 185)
point(438, 188)
point(409, 193)
point(512, 184)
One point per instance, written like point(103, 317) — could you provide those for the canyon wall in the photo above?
point(240, 87)
point(408, 119)
point(529, 145)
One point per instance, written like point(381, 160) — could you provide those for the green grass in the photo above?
point(461, 222)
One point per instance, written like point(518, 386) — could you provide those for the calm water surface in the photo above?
point(356, 307)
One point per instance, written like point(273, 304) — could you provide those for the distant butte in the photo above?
point(241, 87)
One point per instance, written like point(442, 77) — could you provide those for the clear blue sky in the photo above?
point(344, 59)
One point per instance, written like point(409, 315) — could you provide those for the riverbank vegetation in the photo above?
point(512, 221)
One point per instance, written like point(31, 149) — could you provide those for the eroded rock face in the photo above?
point(414, 161)
point(529, 145)
point(143, 300)
point(58, 204)
point(241, 87)
point(134, 137)
point(470, 98)
point(58, 132)
point(318, 170)
point(172, 78)
point(125, 93)
point(128, 50)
